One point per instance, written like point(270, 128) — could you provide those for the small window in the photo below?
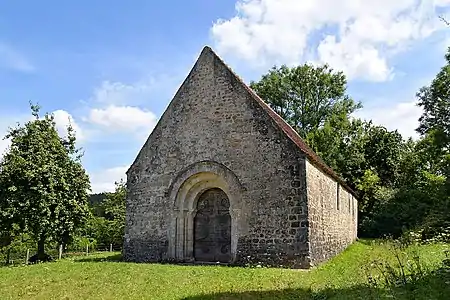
point(353, 207)
point(337, 198)
point(349, 202)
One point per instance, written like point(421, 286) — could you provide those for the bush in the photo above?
point(407, 268)
point(80, 243)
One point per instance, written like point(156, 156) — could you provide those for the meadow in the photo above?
point(347, 276)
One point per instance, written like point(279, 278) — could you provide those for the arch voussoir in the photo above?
point(184, 193)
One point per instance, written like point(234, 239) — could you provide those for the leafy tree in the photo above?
point(314, 102)
point(43, 185)
point(435, 121)
point(434, 148)
point(114, 205)
point(435, 101)
point(107, 222)
point(340, 143)
point(305, 96)
point(383, 151)
point(95, 202)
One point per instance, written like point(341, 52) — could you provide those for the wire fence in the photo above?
point(22, 255)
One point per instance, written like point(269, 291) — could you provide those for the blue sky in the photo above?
point(112, 67)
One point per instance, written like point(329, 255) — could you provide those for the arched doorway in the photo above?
point(212, 227)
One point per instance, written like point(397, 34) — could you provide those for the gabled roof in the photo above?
point(287, 129)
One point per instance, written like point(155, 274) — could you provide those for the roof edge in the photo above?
point(288, 130)
point(206, 49)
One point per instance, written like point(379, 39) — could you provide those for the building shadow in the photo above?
point(119, 258)
point(108, 258)
point(300, 294)
point(435, 286)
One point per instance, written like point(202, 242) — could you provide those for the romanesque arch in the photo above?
point(185, 192)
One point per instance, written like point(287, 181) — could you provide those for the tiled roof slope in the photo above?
point(288, 130)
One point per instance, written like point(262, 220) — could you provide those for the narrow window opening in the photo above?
point(337, 198)
point(353, 206)
point(349, 203)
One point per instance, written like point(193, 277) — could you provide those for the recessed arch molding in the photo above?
point(184, 193)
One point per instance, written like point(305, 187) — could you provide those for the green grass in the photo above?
point(103, 276)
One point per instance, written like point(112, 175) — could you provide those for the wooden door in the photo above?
point(212, 227)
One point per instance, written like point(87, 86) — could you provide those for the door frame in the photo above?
point(226, 214)
point(185, 191)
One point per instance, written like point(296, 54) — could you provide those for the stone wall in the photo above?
point(214, 118)
point(332, 215)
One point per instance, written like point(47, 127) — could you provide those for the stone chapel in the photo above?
point(224, 179)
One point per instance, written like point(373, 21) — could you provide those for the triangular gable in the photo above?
point(281, 123)
point(287, 129)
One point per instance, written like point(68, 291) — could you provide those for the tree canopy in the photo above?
point(43, 186)
point(305, 96)
point(402, 183)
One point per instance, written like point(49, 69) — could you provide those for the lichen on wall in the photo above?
point(332, 215)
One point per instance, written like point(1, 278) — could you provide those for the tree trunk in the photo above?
point(8, 256)
point(41, 249)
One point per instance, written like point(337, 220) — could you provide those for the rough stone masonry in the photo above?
point(223, 178)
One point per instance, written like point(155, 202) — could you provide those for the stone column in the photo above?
point(190, 235)
point(235, 215)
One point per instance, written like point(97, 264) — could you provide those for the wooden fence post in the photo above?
point(110, 248)
point(28, 257)
point(60, 251)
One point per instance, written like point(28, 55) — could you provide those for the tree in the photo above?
point(434, 147)
point(43, 185)
point(305, 96)
point(107, 222)
point(435, 120)
point(444, 20)
point(435, 101)
point(114, 206)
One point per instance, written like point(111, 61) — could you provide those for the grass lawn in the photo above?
point(104, 276)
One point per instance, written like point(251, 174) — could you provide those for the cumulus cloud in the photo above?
point(116, 112)
point(12, 59)
point(356, 36)
point(103, 181)
point(402, 116)
point(62, 120)
point(123, 118)
point(118, 108)
point(120, 93)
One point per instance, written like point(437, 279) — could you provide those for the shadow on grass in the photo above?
point(433, 287)
point(119, 258)
point(370, 242)
point(108, 258)
point(363, 293)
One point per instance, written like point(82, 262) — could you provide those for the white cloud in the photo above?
point(123, 118)
point(120, 93)
point(402, 116)
point(103, 181)
point(117, 108)
point(62, 120)
point(12, 59)
point(441, 3)
point(366, 32)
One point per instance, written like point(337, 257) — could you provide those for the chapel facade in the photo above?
point(223, 178)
